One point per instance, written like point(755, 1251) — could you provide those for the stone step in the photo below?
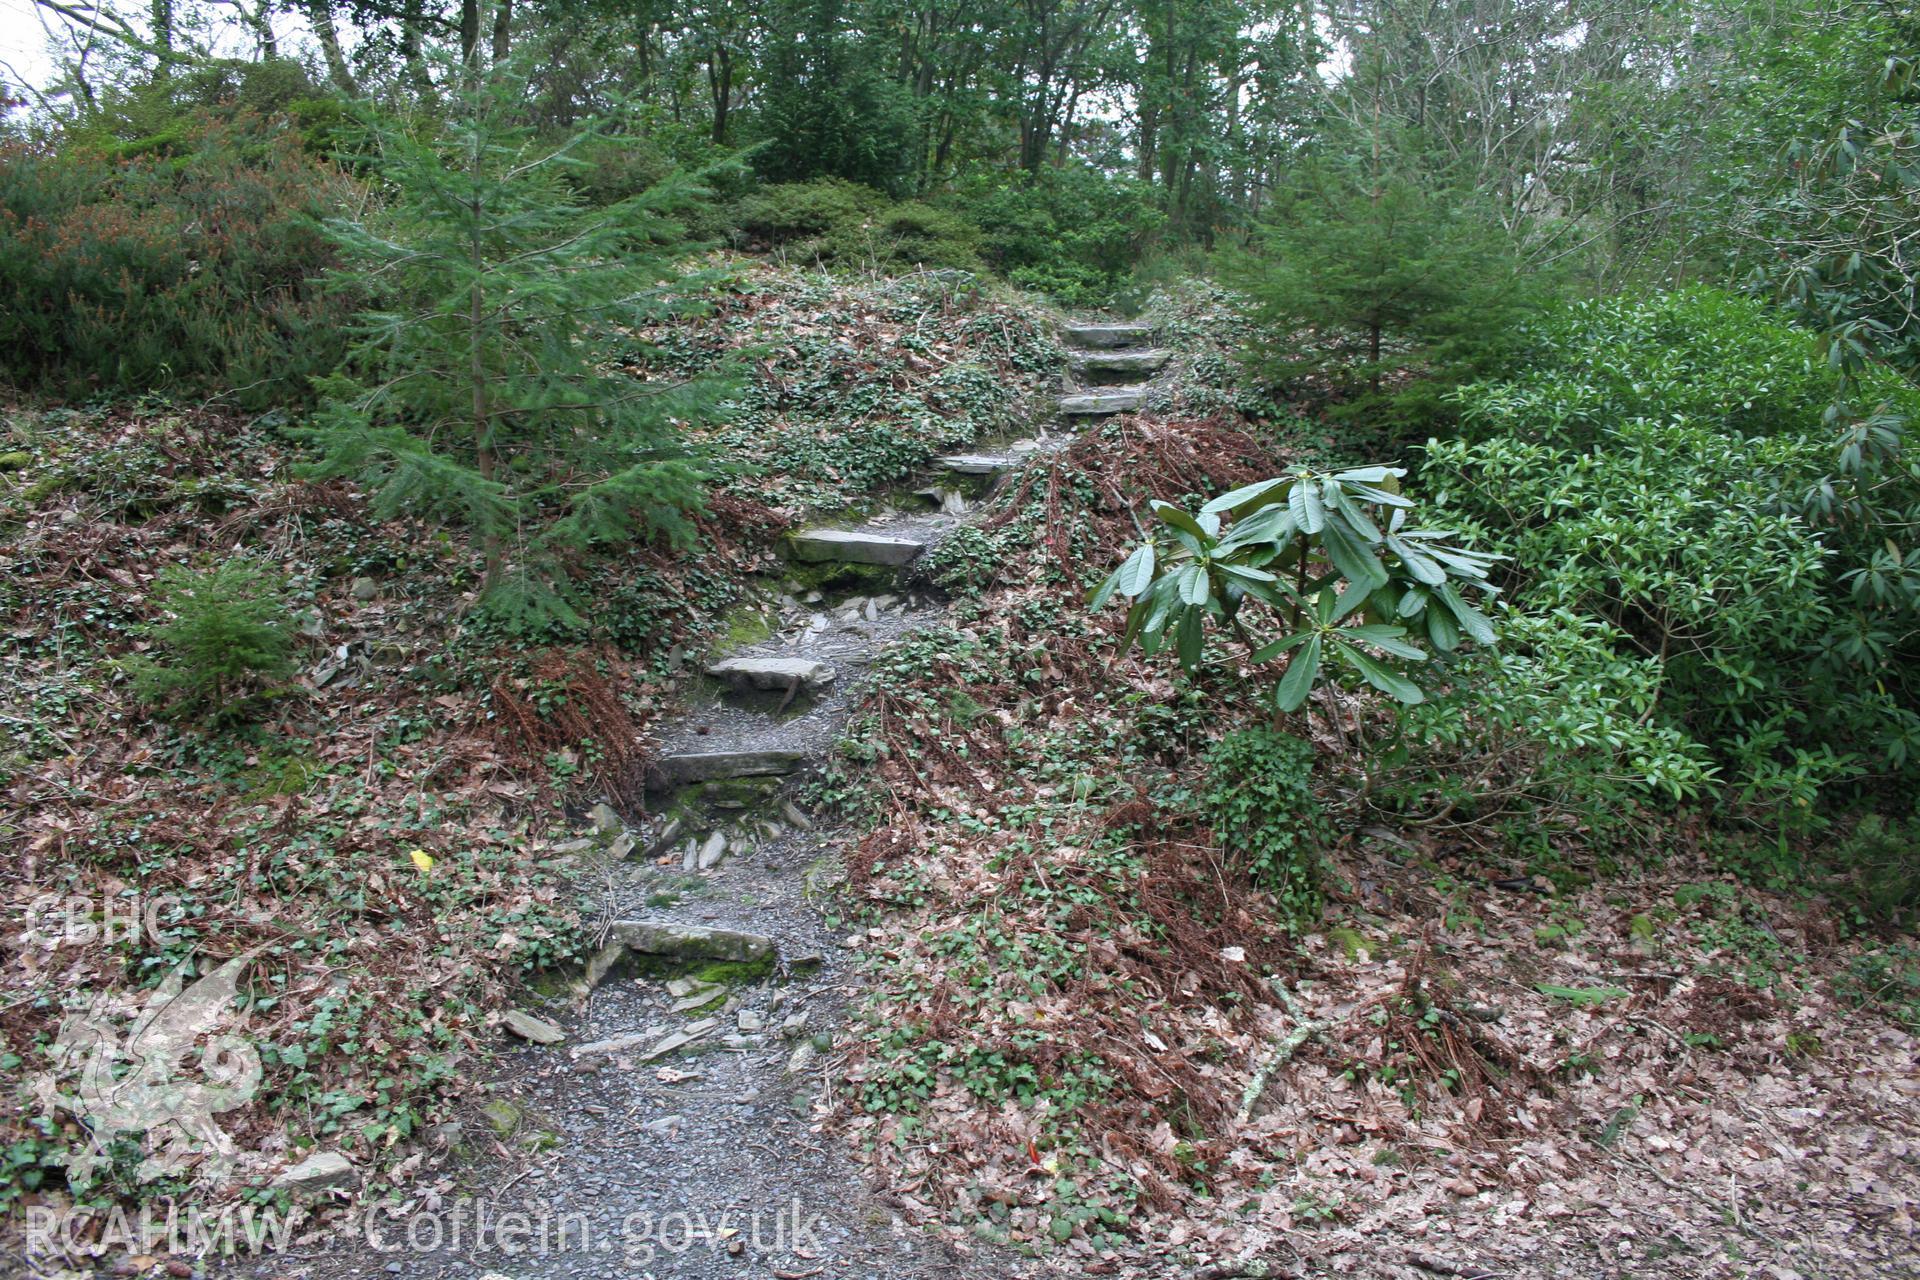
point(711, 766)
point(688, 941)
point(1146, 360)
point(978, 464)
point(775, 675)
point(1095, 403)
point(848, 546)
point(1107, 336)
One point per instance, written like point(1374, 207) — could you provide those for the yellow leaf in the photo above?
point(422, 859)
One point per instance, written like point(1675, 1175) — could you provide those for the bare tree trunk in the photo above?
point(1236, 187)
point(260, 19)
point(483, 452)
point(320, 18)
point(502, 30)
point(411, 20)
point(720, 85)
point(469, 31)
point(1066, 127)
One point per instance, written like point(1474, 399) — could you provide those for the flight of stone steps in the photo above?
point(712, 894)
point(1109, 370)
point(753, 743)
point(1113, 366)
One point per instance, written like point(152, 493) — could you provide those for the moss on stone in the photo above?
point(838, 576)
point(733, 793)
point(1352, 943)
point(46, 486)
point(503, 1117)
point(742, 627)
point(734, 973)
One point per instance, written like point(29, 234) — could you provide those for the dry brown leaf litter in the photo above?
point(1455, 1113)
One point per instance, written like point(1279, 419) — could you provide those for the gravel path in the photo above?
point(703, 1162)
point(602, 1156)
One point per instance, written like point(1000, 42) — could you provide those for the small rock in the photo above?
point(330, 667)
point(664, 1127)
point(690, 855)
point(528, 1027)
point(802, 1059)
point(621, 847)
point(318, 1173)
point(616, 1044)
point(700, 996)
point(673, 1043)
point(603, 961)
point(750, 1021)
point(795, 1025)
point(712, 849)
point(365, 589)
point(665, 835)
point(796, 816)
point(604, 819)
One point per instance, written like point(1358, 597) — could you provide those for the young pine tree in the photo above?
point(1367, 266)
point(492, 390)
point(227, 638)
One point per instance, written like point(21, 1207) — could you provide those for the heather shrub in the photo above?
point(843, 224)
point(195, 265)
